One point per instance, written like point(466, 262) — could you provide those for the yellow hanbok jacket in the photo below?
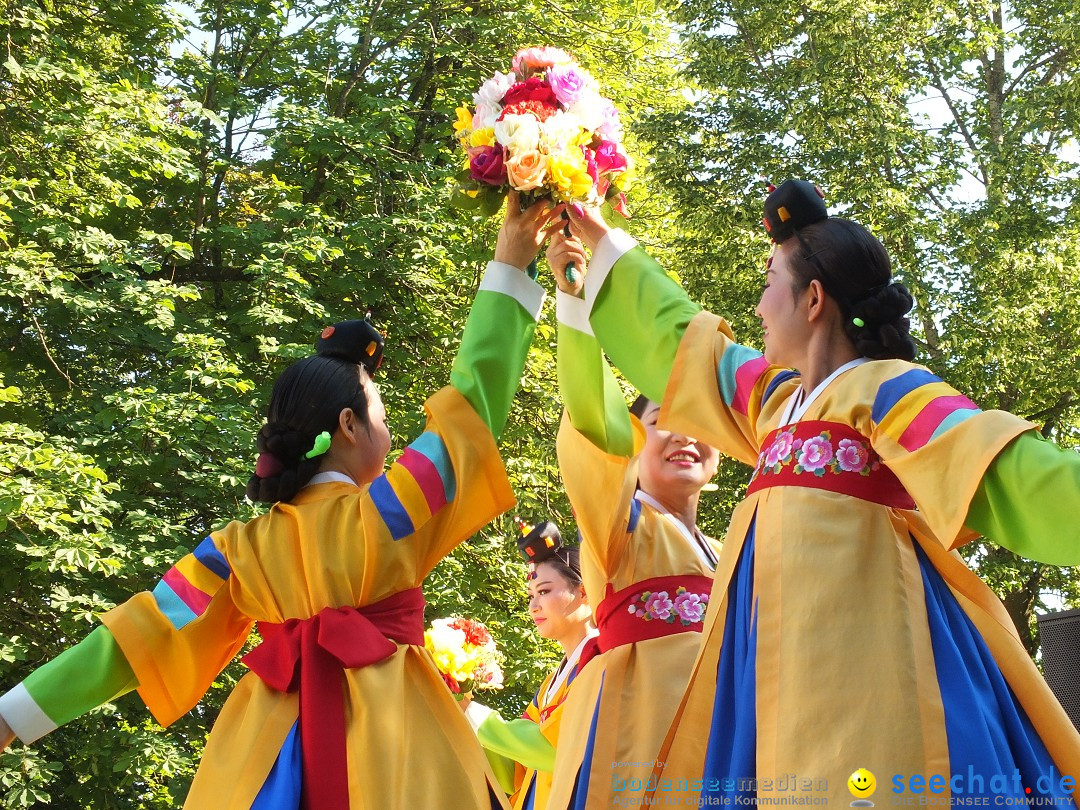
point(334, 544)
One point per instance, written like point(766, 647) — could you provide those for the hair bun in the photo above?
point(539, 542)
point(356, 341)
point(878, 325)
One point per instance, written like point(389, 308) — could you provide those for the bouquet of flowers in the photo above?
point(544, 130)
point(465, 655)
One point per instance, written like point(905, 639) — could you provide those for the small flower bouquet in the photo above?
point(465, 655)
point(544, 130)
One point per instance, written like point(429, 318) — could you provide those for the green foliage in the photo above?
point(184, 202)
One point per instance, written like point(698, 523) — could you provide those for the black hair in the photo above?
point(567, 563)
point(306, 400)
point(855, 271)
point(640, 405)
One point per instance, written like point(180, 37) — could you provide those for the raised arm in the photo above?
point(591, 394)
point(637, 312)
point(500, 325)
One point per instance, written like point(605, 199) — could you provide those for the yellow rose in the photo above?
point(569, 174)
point(482, 137)
point(527, 170)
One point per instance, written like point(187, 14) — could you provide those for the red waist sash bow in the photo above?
point(651, 608)
point(310, 655)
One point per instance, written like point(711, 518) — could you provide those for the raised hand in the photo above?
point(587, 224)
point(523, 232)
point(562, 252)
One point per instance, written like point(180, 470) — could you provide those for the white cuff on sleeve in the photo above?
point(25, 717)
point(572, 311)
point(509, 280)
point(611, 248)
point(476, 714)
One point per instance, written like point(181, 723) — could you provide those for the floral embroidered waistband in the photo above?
point(830, 456)
point(652, 608)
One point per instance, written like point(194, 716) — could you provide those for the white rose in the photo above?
point(493, 90)
point(560, 131)
point(518, 133)
point(485, 115)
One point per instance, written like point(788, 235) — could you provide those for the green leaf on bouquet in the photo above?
point(612, 217)
point(466, 202)
point(490, 202)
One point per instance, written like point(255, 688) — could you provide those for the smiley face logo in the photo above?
point(862, 784)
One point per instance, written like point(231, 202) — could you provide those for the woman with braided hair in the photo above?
point(343, 707)
point(844, 631)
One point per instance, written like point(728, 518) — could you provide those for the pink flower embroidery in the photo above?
point(852, 456)
point(780, 450)
point(815, 454)
point(690, 607)
point(658, 605)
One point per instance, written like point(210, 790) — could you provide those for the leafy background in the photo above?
point(189, 192)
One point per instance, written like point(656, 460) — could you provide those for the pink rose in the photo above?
point(529, 60)
point(659, 605)
point(609, 158)
point(690, 607)
point(815, 453)
point(532, 89)
point(568, 83)
point(486, 165)
point(852, 456)
point(591, 165)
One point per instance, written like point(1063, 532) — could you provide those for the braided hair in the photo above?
point(306, 401)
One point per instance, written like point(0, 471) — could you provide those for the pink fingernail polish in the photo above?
point(578, 210)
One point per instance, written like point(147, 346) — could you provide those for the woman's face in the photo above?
point(787, 332)
point(672, 466)
point(558, 608)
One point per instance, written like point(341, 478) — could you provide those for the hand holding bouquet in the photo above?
point(544, 130)
point(465, 655)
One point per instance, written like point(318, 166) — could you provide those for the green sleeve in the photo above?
point(1028, 499)
point(496, 341)
point(520, 740)
point(81, 678)
point(589, 390)
point(638, 312)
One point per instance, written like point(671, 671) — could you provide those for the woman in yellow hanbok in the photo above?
point(647, 567)
point(844, 632)
point(343, 707)
point(560, 610)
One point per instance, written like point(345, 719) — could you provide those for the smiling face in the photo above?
point(673, 467)
point(557, 606)
point(783, 320)
point(862, 784)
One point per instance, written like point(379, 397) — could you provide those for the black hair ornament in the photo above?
point(357, 341)
point(538, 543)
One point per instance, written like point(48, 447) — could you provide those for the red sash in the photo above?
point(310, 655)
point(830, 456)
point(651, 608)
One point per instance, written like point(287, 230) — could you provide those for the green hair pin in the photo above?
point(322, 444)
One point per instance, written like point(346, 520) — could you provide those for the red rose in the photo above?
point(486, 165)
point(532, 89)
point(539, 109)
